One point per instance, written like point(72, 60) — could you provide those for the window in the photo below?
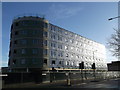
point(67, 55)
point(30, 22)
point(34, 51)
point(34, 32)
point(71, 47)
point(53, 62)
point(34, 61)
point(45, 34)
point(10, 43)
point(76, 42)
point(11, 26)
point(14, 61)
point(66, 33)
point(11, 35)
point(50, 27)
point(72, 55)
point(45, 42)
point(35, 41)
point(66, 40)
point(9, 53)
point(60, 62)
point(45, 61)
point(23, 32)
point(53, 53)
point(71, 63)
point(53, 36)
point(66, 47)
point(16, 32)
point(77, 56)
point(23, 51)
point(53, 45)
point(15, 42)
point(60, 38)
point(67, 63)
point(60, 46)
point(15, 51)
point(23, 41)
point(45, 51)
point(16, 24)
point(60, 30)
point(60, 54)
point(22, 61)
point(45, 25)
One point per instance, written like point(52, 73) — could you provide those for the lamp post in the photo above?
point(93, 65)
point(113, 18)
point(118, 28)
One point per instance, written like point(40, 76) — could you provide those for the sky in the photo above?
point(89, 19)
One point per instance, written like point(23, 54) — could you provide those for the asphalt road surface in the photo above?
point(112, 83)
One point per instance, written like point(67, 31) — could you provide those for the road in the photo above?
point(112, 83)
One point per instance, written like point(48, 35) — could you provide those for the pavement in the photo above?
point(110, 84)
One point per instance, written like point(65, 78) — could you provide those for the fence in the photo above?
point(12, 78)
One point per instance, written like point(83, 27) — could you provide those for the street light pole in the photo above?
point(118, 28)
point(113, 18)
point(93, 66)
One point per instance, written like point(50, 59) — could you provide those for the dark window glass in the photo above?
point(16, 24)
point(14, 61)
point(51, 27)
point(10, 43)
point(51, 53)
point(34, 51)
point(35, 32)
point(23, 32)
point(16, 32)
point(60, 38)
point(60, 46)
point(45, 52)
point(66, 55)
point(59, 62)
point(45, 43)
point(15, 42)
point(54, 36)
point(45, 25)
point(35, 41)
point(53, 62)
point(45, 61)
point(9, 53)
point(12, 27)
point(34, 61)
point(23, 61)
point(23, 51)
point(15, 51)
point(23, 41)
point(45, 34)
point(11, 35)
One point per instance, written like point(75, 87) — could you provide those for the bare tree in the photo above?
point(114, 43)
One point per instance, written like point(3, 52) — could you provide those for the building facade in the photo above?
point(36, 43)
point(114, 66)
